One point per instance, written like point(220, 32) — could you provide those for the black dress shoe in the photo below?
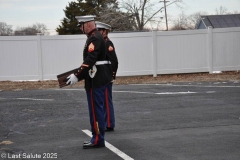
point(90, 145)
point(109, 129)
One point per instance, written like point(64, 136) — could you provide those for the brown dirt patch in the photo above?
point(193, 77)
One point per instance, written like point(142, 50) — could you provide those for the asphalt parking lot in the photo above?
point(177, 121)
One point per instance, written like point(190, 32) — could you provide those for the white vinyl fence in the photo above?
point(139, 53)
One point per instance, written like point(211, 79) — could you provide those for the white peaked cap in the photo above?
point(83, 19)
point(102, 25)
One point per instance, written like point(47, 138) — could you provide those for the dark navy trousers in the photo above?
point(96, 106)
point(109, 117)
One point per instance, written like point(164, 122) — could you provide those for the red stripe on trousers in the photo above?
point(107, 108)
point(94, 120)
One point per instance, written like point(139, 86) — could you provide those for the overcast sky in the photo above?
point(23, 13)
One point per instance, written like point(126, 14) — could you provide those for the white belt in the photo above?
point(102, 62)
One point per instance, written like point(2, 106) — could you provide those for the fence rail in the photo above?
point(142, 53)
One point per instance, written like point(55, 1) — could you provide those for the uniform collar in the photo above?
point(90, 33)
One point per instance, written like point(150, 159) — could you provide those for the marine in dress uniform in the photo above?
point(104, 29)
point(94, 70)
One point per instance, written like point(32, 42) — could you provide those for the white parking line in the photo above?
point(34, 99)
point(176, 92)
point(69, 89)
point(160, 93)
point(187, 85)
point(111, 147)
point(31, 99)
point(188, 92)
point(133, 92)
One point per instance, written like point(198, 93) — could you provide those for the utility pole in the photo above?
point(166, 14)
point(165, 8)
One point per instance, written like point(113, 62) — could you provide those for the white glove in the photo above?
point(72, 79)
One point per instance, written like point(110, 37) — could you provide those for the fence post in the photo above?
point(39, 51)
point(154, 51)
point(210, 49)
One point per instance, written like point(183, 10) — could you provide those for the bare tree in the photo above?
point(181, 23)
point(236, 12)
point(41, 28)
point(185, 22)
point(119, 21)
point(195, 18)
point(144, 11)
point(32, 30)
point(5, 30)
point(23, 31)
point(221, 10)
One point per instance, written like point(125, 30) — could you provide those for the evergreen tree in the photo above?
point(106, 11)
point(69, 22)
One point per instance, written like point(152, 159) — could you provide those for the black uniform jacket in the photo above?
point(95, 50)
point(111, 54)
